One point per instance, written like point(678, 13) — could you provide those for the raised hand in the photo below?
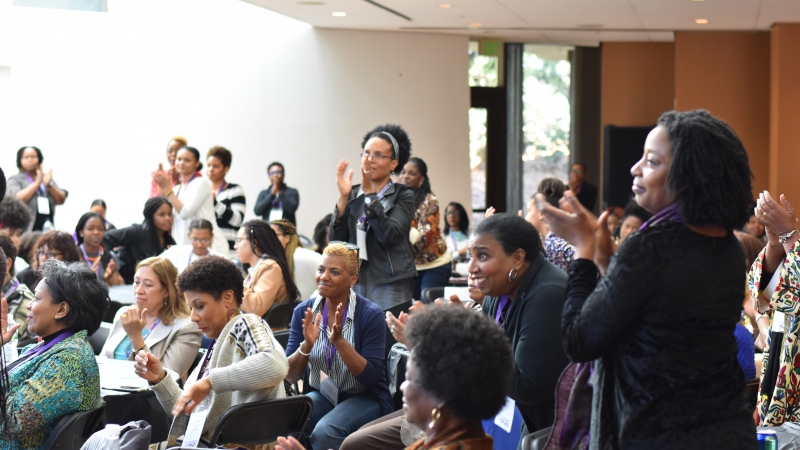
point(397, 326)
point(133, 322)
point(345, 184)
point(311, 328)
point(573, 223)
point(366, 176)
point(489, 212)
point(780, 218)
point(48, 177)
point(6, 332)
point(147, 366)
point(336, 329)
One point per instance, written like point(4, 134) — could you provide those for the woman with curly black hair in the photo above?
point(269, 281)
point(458, 374)
point(141, 241)
point(376, 215)
point(659, 325)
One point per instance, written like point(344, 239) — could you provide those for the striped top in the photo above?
point(338, 372)
point(229, 208)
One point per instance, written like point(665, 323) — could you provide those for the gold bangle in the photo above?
point(168, 193)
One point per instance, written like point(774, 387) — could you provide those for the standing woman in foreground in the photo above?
point(659, 325)
point(376, 216)
point(141, 241)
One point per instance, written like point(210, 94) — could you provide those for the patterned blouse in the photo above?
point(558, 251)
point(783, 404)
point(62, 380)
point(431, 244)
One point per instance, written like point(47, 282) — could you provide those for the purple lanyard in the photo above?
point(222, 188)
point(13, 288)
point(204, 367)
point(130, 344)
point(187, 183)
point(380, 195)
point(330, 349)
point(500, 305)
point(41, 189)
point(38, 350)
point(86, 259)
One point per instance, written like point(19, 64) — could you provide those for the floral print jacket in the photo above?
point(782, 405)
point(431, 244)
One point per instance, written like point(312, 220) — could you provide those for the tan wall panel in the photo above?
point(785, 113)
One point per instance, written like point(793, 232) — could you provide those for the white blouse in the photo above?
point(198, 203)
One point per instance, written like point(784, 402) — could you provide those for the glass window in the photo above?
point(546, 115)
point(482, 69)
point(477, 157)
point(75, 5)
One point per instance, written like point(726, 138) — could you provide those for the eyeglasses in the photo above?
point(48, 254)
point(275, 172)
point(374, 156)
point(205, 241)
point(346, 245)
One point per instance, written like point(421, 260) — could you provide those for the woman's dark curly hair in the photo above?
point(399, 134)
point(264, 243)
point(633, 209)
point(14, 215)
point(212, 275)
point(552, 189)
point(151, 207)
point(22, 150)
point(710, 174)
point(462, 358)
point(77, 285)
point(512, 232)
point(463, 218)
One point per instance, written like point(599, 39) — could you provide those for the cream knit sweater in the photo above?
point(247, 365)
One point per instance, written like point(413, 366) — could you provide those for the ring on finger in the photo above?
point(392, 328)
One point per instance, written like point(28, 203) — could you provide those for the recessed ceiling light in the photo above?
point(339, 14)
point(311, 3)
point(701, 21)
point(445, 5)
point(475, 25)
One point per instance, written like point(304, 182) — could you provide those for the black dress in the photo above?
point(660, 327)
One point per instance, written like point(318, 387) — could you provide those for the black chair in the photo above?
point(98, 339)
point(282, 337)
point(261, 422)
point(280, 316)
point(430, 294)
point(74, 429)
point(113, 307)
point(751, 391)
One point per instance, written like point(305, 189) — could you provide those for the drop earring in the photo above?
point(512, 275)
point(435, 414)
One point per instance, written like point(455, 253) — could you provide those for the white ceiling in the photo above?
point(576, 22)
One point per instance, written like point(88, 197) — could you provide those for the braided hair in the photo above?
point(265, 244)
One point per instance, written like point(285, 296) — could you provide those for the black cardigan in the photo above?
point(533, 327)
point(660, 327)
point(137, 243)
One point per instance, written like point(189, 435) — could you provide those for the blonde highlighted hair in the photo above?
point(349, 255)
point(168, 276)
point(290, 230)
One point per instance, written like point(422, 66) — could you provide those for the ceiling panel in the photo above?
point(574, 22)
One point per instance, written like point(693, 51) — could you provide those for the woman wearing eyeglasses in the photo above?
point(278, 201)
point(201, 235)
point(54, 244)
point(376, 215)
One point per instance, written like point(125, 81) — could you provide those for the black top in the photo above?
point(289, 199)
point(29, 277)
point(388, 220)
point(136, 243)
point(587, 196)
point(532, 325)
point(660, 326)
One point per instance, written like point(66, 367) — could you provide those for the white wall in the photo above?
point(102, 93)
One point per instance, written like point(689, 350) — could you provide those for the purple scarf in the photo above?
point(671, 213)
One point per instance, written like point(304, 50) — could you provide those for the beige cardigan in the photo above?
point(264, 288)
point(175, 345)
point(247, 365)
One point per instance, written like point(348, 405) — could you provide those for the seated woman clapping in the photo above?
point(58, 376)
point(158, 322)
point(337, 346)
point(242, 364)
point(458, 374)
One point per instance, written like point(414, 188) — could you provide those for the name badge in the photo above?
point(43, 205)
point(196, 422)
point(275, 214)
point(361, 241)
point(328, 388)
point(505, 418)
point(778, 322)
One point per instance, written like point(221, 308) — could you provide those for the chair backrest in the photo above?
point(74, 429)
point(751, 391)
point(98, 339)
point(280, 316)
point(113, 307)
point(282, 337)
point(431, 294)
point(263, 422)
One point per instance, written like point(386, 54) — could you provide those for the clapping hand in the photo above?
point(366, 175)
point(345, 184)
point(397, 326)
point(162, 179)
point(336, 329)
point(7, 333)
point(48, 177)
point(311, 328)
point(779, 219)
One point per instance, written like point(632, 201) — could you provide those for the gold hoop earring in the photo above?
point(166, 299)
point(512, 275)
point(435, 414)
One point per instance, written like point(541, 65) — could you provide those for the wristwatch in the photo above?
point(782, 238)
